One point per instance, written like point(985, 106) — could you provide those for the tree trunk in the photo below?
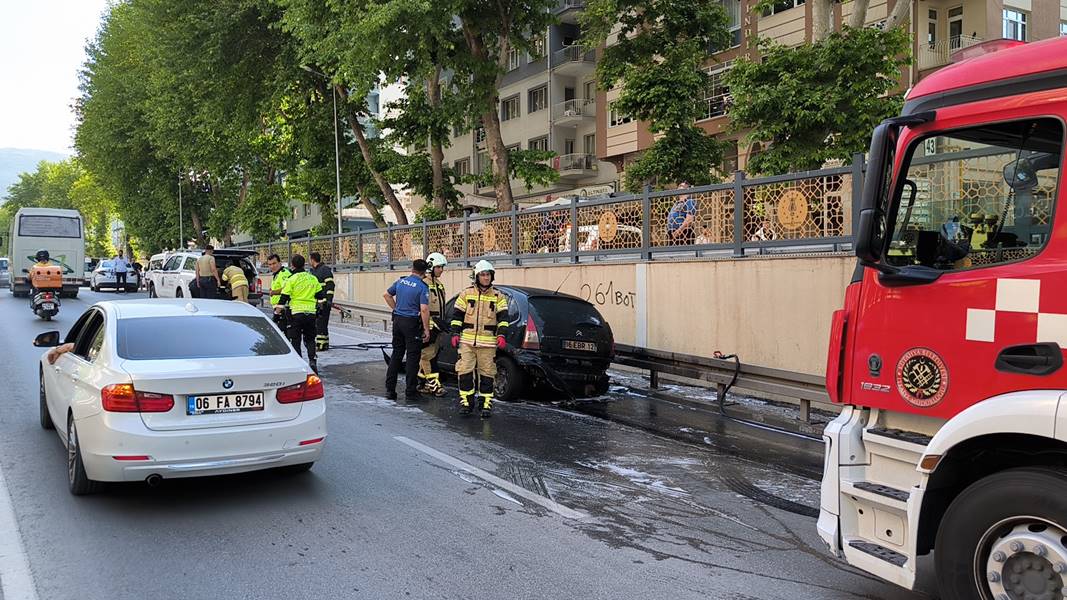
point(368, 158)
point(373, 210)
point(901, 15)
point(822, 14)
point(859, 13)
point(197, 227)
point(437, 153)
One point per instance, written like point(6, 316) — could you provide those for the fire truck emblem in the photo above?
point(922, 379)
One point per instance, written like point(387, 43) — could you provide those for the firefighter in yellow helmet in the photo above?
point(479, 323)
point(429, 379)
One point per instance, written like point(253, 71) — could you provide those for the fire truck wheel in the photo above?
point(1005, 536)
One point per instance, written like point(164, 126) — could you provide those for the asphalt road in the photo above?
point(415, 501)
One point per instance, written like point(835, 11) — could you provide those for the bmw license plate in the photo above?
point(576, 345)
point(211, 404)
point(47, 306)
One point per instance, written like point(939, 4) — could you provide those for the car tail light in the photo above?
point(259, 285)
point(532, 340)
point(310, 389)
point(311, 441)
point(122, 397)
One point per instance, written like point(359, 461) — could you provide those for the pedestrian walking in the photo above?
point(121, 268)
point(234, 276)
point(279, 273)
point(680, 219)
point(479, 323)
point(207, 274)
point(322, 322)
point(301, 295)
point(409, 297)
point(429, 378)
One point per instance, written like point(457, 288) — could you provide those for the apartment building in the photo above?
point(548, 101)
point(939, 27)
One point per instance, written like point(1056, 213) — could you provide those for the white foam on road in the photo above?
point(16, 579)
point(559, 509)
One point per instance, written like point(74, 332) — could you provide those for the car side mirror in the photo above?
point(48, 339)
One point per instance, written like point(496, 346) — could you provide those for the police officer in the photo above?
point(301, 294)
point(280, 273)
point(429, 380)
point(322, 323)
point(410, 300)
point(479, 322)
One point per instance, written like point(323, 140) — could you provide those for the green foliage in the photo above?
point(657, 62)
point(429, 213)
point(531, 167)
point(818, 101)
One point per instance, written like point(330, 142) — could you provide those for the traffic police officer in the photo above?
point(410, 300)
point(280, 273)
point(302, 294)
point(429, 379)
point(322, 322)
point(479, 323)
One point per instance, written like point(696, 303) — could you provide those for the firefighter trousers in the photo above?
point(322, 326)
point(483, 360)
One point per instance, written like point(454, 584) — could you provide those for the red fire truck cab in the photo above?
point(948, 354)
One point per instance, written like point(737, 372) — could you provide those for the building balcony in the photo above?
point(938, 54)
point(575, 166)
point(568, 10)
point(572, 113)
point(573, 61)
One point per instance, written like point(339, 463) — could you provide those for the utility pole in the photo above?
point(337, 160)
point(181, 221)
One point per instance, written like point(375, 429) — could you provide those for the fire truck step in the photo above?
point(882, 490)
point(899, 434)
point(889, 556)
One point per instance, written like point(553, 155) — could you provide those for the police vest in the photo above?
point(276, 284)
point(302, 287)
point(481, 316)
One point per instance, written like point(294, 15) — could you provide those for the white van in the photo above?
point(58, 230)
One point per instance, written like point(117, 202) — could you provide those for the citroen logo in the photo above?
point(227, 383)
point(578, 333)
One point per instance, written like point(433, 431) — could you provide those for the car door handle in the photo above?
point(1030, 359)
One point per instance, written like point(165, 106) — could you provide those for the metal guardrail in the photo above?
point(809, 212)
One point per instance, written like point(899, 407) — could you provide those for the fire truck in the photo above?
point(947, 357)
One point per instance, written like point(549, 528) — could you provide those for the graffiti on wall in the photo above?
point(605, 294)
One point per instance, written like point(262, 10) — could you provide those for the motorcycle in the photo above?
point(47, 282)
point(45, 304)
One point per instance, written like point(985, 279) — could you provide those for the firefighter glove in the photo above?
point(500, 342)
point(455, 341)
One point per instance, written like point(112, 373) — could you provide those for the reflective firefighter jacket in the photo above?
point(325, 277)
point(480, 316)
point(437, 299)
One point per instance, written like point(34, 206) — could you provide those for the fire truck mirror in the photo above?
point(873, 227)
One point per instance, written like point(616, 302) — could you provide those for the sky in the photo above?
point(42, 47)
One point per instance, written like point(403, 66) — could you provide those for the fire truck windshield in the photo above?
point(977, 196)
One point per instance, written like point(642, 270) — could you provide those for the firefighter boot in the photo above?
point(433, 385)
point(466, 390)
point(322, 343)
point(485, 393)
point(424, 384)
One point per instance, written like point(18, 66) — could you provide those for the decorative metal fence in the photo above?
point(808, 212)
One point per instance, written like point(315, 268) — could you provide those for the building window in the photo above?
point(463, 167)
point(537, 99)
point(539, 48)
point(733, 14)
point(589, 143)
point(307, 210)
point(729, 157)
point(540, 143)
point(1014, 24)
point(931, 27)
point(483, 162)
point(618, 118)
point(782, 6)
point(514, 59)
point(509, 109)
point(1063, 28)
point(717, 94)
point(295, 215)
point(589, 90)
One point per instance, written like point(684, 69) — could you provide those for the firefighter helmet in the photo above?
point(436, 259)
point(483, 266)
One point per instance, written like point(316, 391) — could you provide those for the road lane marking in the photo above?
point(16, 580)
point(559, 509)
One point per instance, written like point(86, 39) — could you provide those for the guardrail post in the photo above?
point(359, 250)
point(646, 223)
point(574, 231)
point(739, 213)
point(467, 240)
point(857, 191)
point(515, 236)
point(289, 245)
point(805, 411)
point(389, 246)
point(425, 240)
point(653, 379)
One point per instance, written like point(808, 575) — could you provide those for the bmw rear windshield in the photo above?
point(189, 337)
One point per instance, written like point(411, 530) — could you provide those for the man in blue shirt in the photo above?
point(409, 297)
point(680, 229)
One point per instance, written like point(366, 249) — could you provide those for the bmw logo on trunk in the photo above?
point(227, 383)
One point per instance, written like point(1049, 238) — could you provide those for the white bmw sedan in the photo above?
point(155, 389)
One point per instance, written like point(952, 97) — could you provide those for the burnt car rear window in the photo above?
point(167, 338)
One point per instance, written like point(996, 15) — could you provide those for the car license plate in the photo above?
point(576, 345)
point(210, 404)
point(47, 306)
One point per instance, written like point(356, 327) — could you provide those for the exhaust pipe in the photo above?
point(153, 480)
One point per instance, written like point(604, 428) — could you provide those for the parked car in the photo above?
point(103, 276)
point(626, 236)
point(175, 276)
point(5, 273)
point(554, 340)
point(166, 389)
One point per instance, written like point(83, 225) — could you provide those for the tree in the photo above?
point(819, 101)
point(657, 60)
